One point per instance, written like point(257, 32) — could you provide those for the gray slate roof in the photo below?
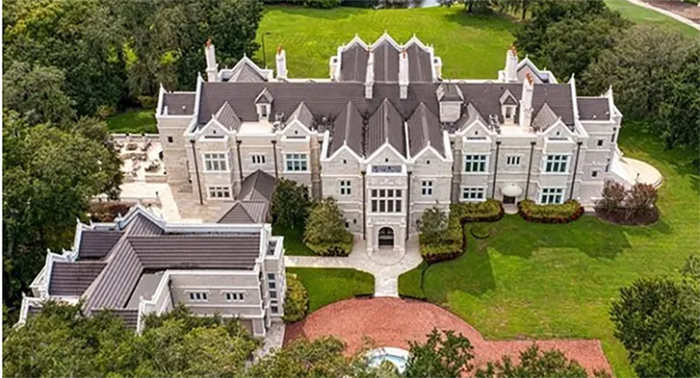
point(258, 186)
point(386, 125)
point(179, 103)
point(386, 62)
point(424, 129)
point(420, 68)
point(228, 117)
point(593, 108)
point(345, 130)
point(353, 64)
point(545, 117)
point(244, 73)
point(449, 92)
point(303, 115)
point(95, 244)
point(245, 212)
point(72, 279)
point(264, 97)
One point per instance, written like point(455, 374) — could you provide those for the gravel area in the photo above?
point(392, 322)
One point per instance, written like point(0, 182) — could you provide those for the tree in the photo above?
point(326, 224)
point(443, 355)
point(612, 197)
point(290, 204)
point(433, 225)
point(36, 93)
point(470, 6)
point(535, 363)
point(679, 112)
point(296, 300)
point(639, 67)
point(514, 6)
point(658, 322)
point(640, 199)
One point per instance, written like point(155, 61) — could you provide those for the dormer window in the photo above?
point(263, 111)
point(263, 103)
point(508, 107)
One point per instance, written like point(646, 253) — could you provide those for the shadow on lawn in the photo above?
point(495, 21)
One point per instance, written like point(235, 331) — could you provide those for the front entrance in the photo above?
point(508, 200)
point(386, 237)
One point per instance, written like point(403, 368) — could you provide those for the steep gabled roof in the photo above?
point(245, 212)
point(72, 279)
point(449, 92)
point(258, 186)
point(264, 97)
point(353, 63)
point(386, 62)
point(347, 130)
point(244, 71)
point(227, 117)
point(95, 244)
point(386, 126)
point(303, 115)
point(420, 68)
point(424, 130)
point(545, 117)
point(507, 98)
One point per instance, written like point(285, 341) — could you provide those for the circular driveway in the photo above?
point(393, 322)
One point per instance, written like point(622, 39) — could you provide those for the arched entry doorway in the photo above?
point(386, 237)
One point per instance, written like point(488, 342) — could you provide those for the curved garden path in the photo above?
point(392, 322)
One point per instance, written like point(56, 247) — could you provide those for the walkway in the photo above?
point(385, 265)
point(667, 13)
point(392, 322)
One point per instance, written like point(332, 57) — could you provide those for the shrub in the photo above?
point(104, 111)
point(290, 204)
point(147, 101)
point(296, 301)
point(480, 231)
point(613, 196)
point(490, 210)
point(567, 212)
point(108, 211)
point(325, 232)
point(640, 199)
point(432, 225)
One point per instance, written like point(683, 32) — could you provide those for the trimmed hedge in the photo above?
point(567, 212)
point(296, 302)
point(454, 243)
point(333, 249)
point(480, 231)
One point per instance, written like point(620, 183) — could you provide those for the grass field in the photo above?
point(135, 121)
point(326, 285)
point(293, 244)
point(470, 46)
point(557, 281)
point(641, 15)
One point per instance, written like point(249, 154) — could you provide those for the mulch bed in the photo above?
point(619, 217)
point(687, 10)
point(393, 322)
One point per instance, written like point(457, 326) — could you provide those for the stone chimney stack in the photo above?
point(281, 63)
point(212, 67)
point(512, 65)
point(369, 79)
point(526, 101)
point(403, 74)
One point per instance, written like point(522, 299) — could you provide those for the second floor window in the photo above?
point(296, 163)
point(219, 192)
point(235, 297)
point(426, 188)
point(345, 187)
point(475, 163)
point(386, 200)
point(198, 296)
point(258, 159)
point(215, 163)
point(556, 163)
point(513, 160)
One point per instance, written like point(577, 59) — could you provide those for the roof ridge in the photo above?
point(424, 123)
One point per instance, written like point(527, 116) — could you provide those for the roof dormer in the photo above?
point(509, 104)
point(263, 104)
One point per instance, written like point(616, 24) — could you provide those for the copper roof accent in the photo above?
point(528, 77)
point(279, 49)
point(513, 49)
point(208, 42)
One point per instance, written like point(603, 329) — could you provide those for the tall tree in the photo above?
point(443, 355)
point(326, 224)
point(290, 204)
point(535, 363)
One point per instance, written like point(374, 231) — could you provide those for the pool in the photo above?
point(398, 357)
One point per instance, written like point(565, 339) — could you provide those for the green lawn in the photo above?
point(547, 281)
point(642, 15)
point(327, 285)
point(470, 46)
point(135, 121)
point(293, 244)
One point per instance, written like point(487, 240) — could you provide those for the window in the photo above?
point(296, 163)
point(198, 296)
point(274, 309)
point(273, 294)
point(475, 163)
point(551, 195)
point(345, 187)
point(556, 163)
point(258, 159)
point(612, 138)
point(607, 166)
point(271, 284)
point(594, 173)
point(386, 200)
point(426, 188)
point(219, 192)
point(600, 143)
point(170, 139)
point(262, 110)
point(215, 163)
point(473, 194)
point(235, 297)
point(513, 160)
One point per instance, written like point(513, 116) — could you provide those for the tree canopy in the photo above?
point(290, 204)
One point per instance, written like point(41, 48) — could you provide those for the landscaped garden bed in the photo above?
point(635, 206)
point(567, 212)
point(329, 285)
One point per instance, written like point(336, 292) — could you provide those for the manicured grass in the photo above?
point(470, 46)
point(327, 285)
point(557, 281)
point(134, 121)
point(293, 244)
point(410, 283)
point(640, 15)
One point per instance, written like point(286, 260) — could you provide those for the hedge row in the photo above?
point(333, 249)
point(454, 242)
point(567, 212)
point(296, 301)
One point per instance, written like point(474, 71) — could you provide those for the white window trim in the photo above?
point(225, 160)
point(189, 294)
point(393, 199)
point(430, 187)
point(348, 187)
point(222, 188)
point(259, 157)
point(486, 164)
point(566, 168)
point(520, 160)
point(540, 192)
point(461, 194)
point(296, 153)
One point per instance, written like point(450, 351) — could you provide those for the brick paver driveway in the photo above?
point(392, 322)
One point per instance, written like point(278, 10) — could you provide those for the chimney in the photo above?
point(333, 68)
point(281, 63)
point(437, 63)
point(212, 67)
point(526, 101)
point(369, 79)
point(403, 74)
point(511, 65)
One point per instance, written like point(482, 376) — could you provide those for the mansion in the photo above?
point(388, 136)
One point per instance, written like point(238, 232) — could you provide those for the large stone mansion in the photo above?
point(388, 136)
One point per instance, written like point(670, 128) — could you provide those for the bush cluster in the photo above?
point(333, 249)
point(480, 231)
point(490, 210)
point(567, 212)
point(296, 302)
point(325, 231)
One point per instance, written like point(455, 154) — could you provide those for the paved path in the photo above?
point(667, 13)
point(392, 322)
point(272, 341)
point(385, 264)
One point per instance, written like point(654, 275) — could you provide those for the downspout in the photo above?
point(364, 205)
point(573, 180)
point(274, 156)
point(196, 173)
point(240, 164)
point(529, 168)
point(408, 205)
point(495, 169)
